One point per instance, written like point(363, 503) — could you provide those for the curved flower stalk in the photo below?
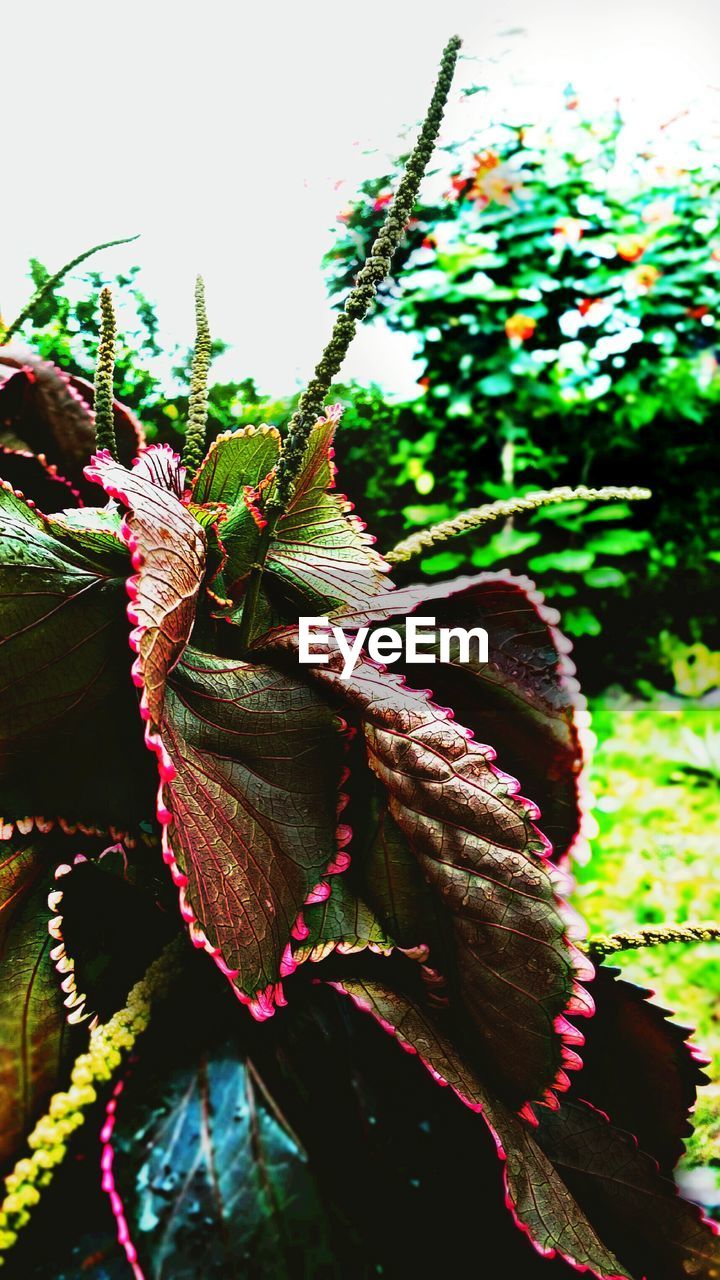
point(476, 517)
point(405, 846)
point(7, 332)
point(66, 1113)
point(652, 936)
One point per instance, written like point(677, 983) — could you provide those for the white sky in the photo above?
point(219, 131)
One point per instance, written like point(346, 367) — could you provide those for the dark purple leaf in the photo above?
point(638, 1067)
point(47, 411)
point(110, 929)
point(38, 480)
point(250, 760)
point(167, 549)
point(636, 1210)
point(478, 848)
point(537, 1197)
point(250, 799)
point(524, 700)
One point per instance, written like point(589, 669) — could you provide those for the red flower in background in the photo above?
point(631, 248)
point(520, 327)
point(568, 229)
point(382, 201)
point(646, 277)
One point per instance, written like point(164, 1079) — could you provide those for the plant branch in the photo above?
point(475, 517)
point(52, 282)
point(650, 936)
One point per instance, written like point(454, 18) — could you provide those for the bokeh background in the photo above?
point(555, 319)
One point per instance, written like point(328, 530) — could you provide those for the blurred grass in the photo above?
point(656, 782)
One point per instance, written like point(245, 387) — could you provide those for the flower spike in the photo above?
point(650, 936)
point(104, 409)
point(361, 296)
point(67, 1110)
point(51, 283)
point(194, 450)
point(355, 309)
point(475, 517)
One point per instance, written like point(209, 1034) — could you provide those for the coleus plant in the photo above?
point(338, 847)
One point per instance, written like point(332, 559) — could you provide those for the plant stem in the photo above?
point(252, 592)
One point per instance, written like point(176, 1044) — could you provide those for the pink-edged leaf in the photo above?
point(638, 1067)
point(640, 1215)
point(343, 923)
point(250, 760)
point(235, 460)
point(320, 552)
point(477, 845)
point(167, 549)
point(50, 412)
point(250, 804)
point(108, 929)
point(541, 1204)
point(524, 700)
point(38, 480)
point(70, 744)
point(34, 1038)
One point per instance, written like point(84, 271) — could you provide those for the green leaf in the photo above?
point(496, 384)
point(234, 460)
point(619, 542)
point(213, 1180)
point(567, 561)
point(320, 551)
point(508, 542)
point(35, 1040)
point(609, 511)
point(70, 742)
point(605, 576)
point(343, 922)
point(580, 621)
point(444, 562)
